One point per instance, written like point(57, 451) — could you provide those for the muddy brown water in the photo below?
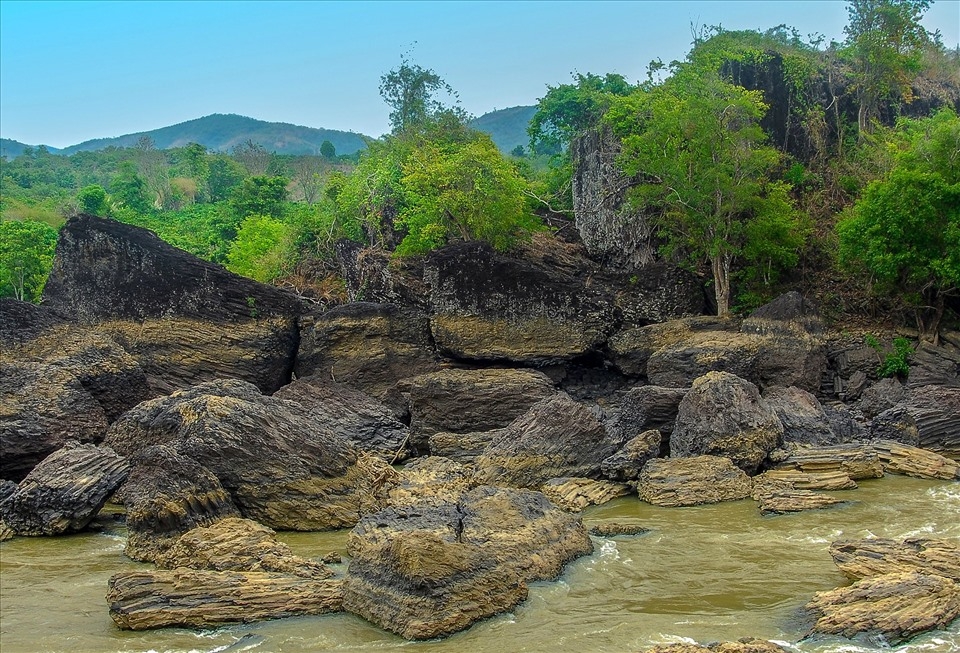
point(708, 573)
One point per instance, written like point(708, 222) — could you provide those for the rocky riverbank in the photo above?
point(520, 389)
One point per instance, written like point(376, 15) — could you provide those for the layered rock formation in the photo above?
point(675, 482)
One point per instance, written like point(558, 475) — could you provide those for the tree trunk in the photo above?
point(930, 329)
point(720, 264)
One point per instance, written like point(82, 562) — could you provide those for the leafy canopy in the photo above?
point(26, 256)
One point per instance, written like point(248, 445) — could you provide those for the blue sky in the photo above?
point(72, 71)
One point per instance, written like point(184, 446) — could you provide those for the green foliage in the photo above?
point(262, 250)
point(328, 151)
point(93, 200)
point(895, 363)
point(410, 91)
point(129, 190)
point(204, 230)
point(26, 256)
point(260, 195)
point(696, 144)
point(225, 174)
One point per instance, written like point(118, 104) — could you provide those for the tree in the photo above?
point(308, 176)
point(260, 195)
point(253, 156)
point(225, 175)
point(129, 190)
point(93, 200)
point(696, 147)
point(262, 249)
point(885, 42)
point(328, 151)
point(410, 92)
point(26, 256)
point(152, 166)
point(904, 231)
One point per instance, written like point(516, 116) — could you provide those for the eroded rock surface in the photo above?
point(693, 481)
point(627, 463)
point(432, 570)
point(858, 461)
point(803, 418)
point(65, 491)
point(724, 415)
point(877, 556)
point(575, 494)
point(913, 461)
point(743, 646)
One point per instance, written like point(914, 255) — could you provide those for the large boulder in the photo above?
point(184, 320)
point(724, 415)
point(894, 606)
point(355, 416)
point(430, 479)
point(648, 407)
point(281, 467)
point(467, 401)
point(914, 461)
point(64, 492)
point(144, 599)
point(432, 570)
point(631, 348)
point(556, 437)
point(487, 306)
point(803, 418)
point(364, 345)
point(41, 408)
point(675, 482)
point(166, 495)
point(929, 417)
point(877, 556)
point(858, 461)
point(627, 463)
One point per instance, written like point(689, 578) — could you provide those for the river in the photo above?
point(707, 573)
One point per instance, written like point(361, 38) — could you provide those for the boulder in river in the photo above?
point(693, 481)
point(281, 467)
point(65, 491)
point(803, 418)
point(627, 463)
point(913, 461)
point(877, 556)
point(575, 494)
point(724, 415)
point(431, 570)
point(858, 461)
point(746, 645)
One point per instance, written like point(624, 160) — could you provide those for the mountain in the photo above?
point(10, 149)
point(507, 127)
point(222, 132)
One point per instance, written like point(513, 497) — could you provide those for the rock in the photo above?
point(746, 645)
point(895, 606)
point(65, 491)
point(22, 322)
point(649, 407)
point(723, 415)
point(234, 544)
point(487, 306)
point(692, 481)
point(372, 274)
point(631, 349)
point(878, 556)
point(780, 493)
point(468, 401)
point(166, 495)
point(913, 461)
point(353, 415)
point(614, 529)
point(802, 416)
point(462, 447)
point(280, 467)
point(431, 479)
point(844, 423)
point(788, 312)
point(556, 437)
point(183, 319)
point(855, 386)
point(856, 460)
point(144, 599)
point(429, 571)
point(626, 464)
point(934, 412)
point(575, 494)
point(882, 395)
point(825, 480)
point(367, 346)
point(41, 408)
point(931, 365)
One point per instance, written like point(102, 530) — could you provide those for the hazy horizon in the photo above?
point(76, 71)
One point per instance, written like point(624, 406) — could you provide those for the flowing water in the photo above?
point(708, 573)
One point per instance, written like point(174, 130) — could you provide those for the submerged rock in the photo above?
point(779, 494)
point(676, 482)
point(743, 646)
point(144, 599)
point(431, 570)
point(64, 492)
point(724, 415)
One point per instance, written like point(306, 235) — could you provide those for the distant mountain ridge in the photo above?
point(222, 132)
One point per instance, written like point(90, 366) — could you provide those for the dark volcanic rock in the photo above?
point(144, 599)
point(280, 467)
point(166, 495)
point(787, 311)
point(648, 407)
point(632, 348)
point(929, 418)
point(185, 320)
point(468, 401)
point(429, 571)
point(692, 481)
point(882, 395)
point(931, 365)
point(723, 415)
point(556, 437)
point(627, 463)
point(41, 408)
point(22, 322)
point(803, 418)
point(367, 346)
point(487, 306)
point(353, 415)
point(64, 492)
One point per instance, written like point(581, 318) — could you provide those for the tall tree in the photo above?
point(26, 256)
point(411, 93)
point(885, 42)
point(253, 156)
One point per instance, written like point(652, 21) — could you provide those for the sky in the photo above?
point(73, 71)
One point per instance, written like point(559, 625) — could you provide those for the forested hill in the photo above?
point(10, 148)
point(223, 132)
point(507, 127)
